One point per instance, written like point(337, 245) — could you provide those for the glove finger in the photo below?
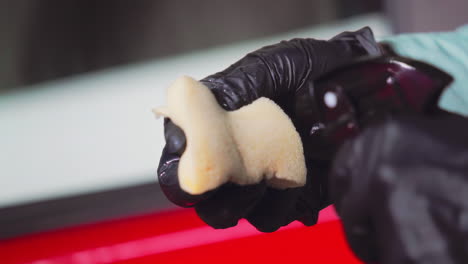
point(230, 203)
point(175, 138)
point(169, 165)
point(274, 210)
point(314, 195)
point(169, 181)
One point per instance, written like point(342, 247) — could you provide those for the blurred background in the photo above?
point(78, 79)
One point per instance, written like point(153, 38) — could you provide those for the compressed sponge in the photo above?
point(254, 143)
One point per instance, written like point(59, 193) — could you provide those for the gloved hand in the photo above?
point(401, 190)
point(285, 73)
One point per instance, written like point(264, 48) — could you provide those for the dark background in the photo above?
point(48, 39)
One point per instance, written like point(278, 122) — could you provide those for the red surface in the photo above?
point(179, 236)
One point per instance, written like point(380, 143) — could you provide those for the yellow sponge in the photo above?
point(255, 142)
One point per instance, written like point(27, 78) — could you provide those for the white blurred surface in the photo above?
point(97, 131)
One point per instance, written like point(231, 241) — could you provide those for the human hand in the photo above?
point(285, 73)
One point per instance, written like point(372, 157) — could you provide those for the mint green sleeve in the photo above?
point(447, 51)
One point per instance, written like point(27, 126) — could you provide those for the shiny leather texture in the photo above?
point(366, 92)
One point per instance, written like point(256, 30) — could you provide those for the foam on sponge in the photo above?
point(254, 143)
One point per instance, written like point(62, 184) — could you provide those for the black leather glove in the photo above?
point(401, 189)
point(285, 73)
